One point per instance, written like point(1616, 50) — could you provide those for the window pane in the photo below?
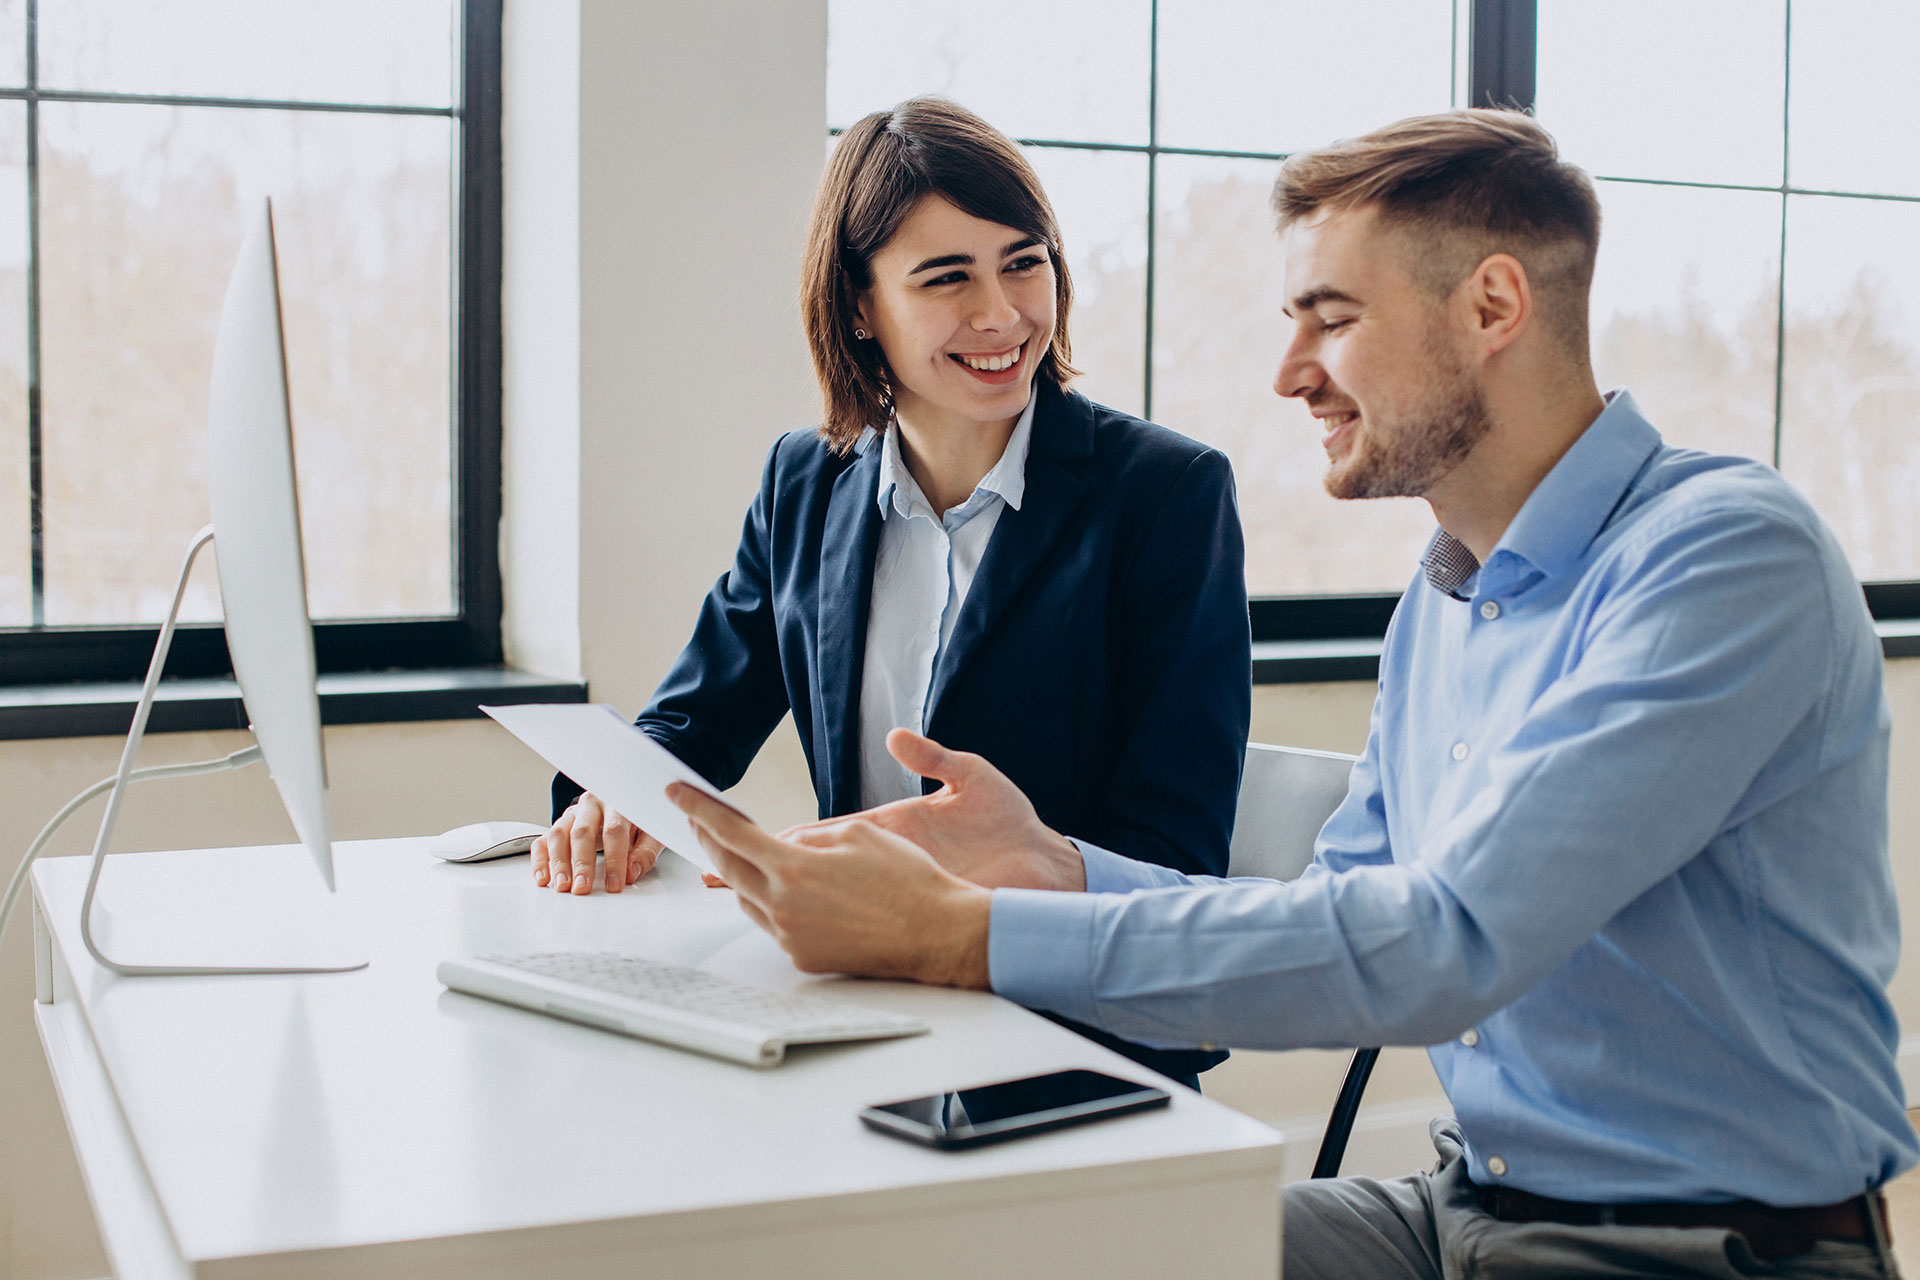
point(1218, 336)
point(1850, 421)
point(1654, 89)
point(1280, 75)
point(142, 210)
point(1856, 96)
point(1070, 69)
point(1100, 198)
point(1686, 309)
point(16, 533)
point(13, 43)
point(375, 51)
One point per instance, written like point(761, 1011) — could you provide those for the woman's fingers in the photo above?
point(546, 849)
point(646, 852)
point(575, 875)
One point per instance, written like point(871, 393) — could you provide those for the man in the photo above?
point(1616, 850)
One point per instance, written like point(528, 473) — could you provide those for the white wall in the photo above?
point(660, 160)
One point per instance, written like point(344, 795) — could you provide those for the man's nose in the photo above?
point(1299, 374)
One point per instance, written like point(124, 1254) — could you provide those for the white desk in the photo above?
point(376, 1124)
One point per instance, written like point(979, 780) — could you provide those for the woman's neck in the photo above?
point(949, 461)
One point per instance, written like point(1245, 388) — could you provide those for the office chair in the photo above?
point(1286, 795)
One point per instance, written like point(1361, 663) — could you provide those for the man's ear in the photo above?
point(1499, 299)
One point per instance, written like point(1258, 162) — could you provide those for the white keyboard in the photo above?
point(672, 1004)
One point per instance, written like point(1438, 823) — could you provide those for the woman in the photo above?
point(964, 547)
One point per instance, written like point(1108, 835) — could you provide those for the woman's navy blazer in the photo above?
point(1101, 659)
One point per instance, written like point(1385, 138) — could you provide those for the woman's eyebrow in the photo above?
point(944, 260)
point(967, 259)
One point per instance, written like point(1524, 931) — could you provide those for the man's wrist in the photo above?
point(1069, 868)
point(959, 955)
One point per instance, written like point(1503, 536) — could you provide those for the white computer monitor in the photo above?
point(263, 590)
point(256, 526)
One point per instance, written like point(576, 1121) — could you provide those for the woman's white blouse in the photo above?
point(922, 570)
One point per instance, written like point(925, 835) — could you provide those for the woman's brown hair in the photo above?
point(884, 166)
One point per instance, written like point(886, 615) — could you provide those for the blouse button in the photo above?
point(1497, 1167)
point(1459, 751)
point(1469, 1037)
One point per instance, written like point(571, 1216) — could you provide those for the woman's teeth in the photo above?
point(992, 364)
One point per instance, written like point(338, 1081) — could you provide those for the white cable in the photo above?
point(238, 760)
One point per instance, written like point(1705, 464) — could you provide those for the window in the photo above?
point(132, 137)
point(1755, 286)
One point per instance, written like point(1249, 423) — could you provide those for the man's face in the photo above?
point(1375, 359)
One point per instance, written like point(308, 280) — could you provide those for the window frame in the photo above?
point(1502, 57)
point(1336, 636)
point(471, 635)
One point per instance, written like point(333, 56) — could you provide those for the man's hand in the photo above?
point(564, 856)
point(978, 825)
point(848, 897)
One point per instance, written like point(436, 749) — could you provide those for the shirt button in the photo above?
point(1469, 1037)
point(1497, 1167)
point(1489, 610)
point(1459, 751)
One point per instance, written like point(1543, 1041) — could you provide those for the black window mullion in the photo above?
point(479, 361)
point(1503, 42)
point(1153, 195)
point(1780, 289)
point(36, 504)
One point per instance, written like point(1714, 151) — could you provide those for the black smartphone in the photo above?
point(1011, 1108)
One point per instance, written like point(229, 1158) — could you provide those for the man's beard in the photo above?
point(1409, 459)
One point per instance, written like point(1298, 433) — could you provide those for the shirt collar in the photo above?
point(1007, 480)
point(1567, 510)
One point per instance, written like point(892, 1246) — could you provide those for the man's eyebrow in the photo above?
point(1314, 297)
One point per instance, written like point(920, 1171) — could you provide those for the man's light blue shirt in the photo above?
point(1616, 851)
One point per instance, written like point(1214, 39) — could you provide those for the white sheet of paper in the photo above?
point(594, 745)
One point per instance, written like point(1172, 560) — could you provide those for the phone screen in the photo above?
point(991, 1112)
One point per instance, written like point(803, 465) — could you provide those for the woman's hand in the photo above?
point(564, 856)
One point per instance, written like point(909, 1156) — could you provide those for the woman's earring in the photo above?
point(861, 334)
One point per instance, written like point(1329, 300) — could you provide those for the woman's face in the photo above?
point(963, 311)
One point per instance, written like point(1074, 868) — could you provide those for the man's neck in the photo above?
point(1478, 499)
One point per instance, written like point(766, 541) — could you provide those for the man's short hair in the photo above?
point(884, 166)
point(1464, 185)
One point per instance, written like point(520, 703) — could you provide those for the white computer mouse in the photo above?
point(483, 841)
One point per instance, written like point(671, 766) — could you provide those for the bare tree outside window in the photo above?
point(156, 129)
point(142, 210)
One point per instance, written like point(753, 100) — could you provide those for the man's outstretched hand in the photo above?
point(978, 825)
point(849, 897)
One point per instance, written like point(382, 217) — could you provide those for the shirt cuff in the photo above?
point(1109, 872)
point(1040, 950)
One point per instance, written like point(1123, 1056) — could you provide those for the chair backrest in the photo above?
point(1286, 796)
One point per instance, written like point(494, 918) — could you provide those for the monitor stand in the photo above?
point(306, 938)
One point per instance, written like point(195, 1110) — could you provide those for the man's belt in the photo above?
point(1772, 1233)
